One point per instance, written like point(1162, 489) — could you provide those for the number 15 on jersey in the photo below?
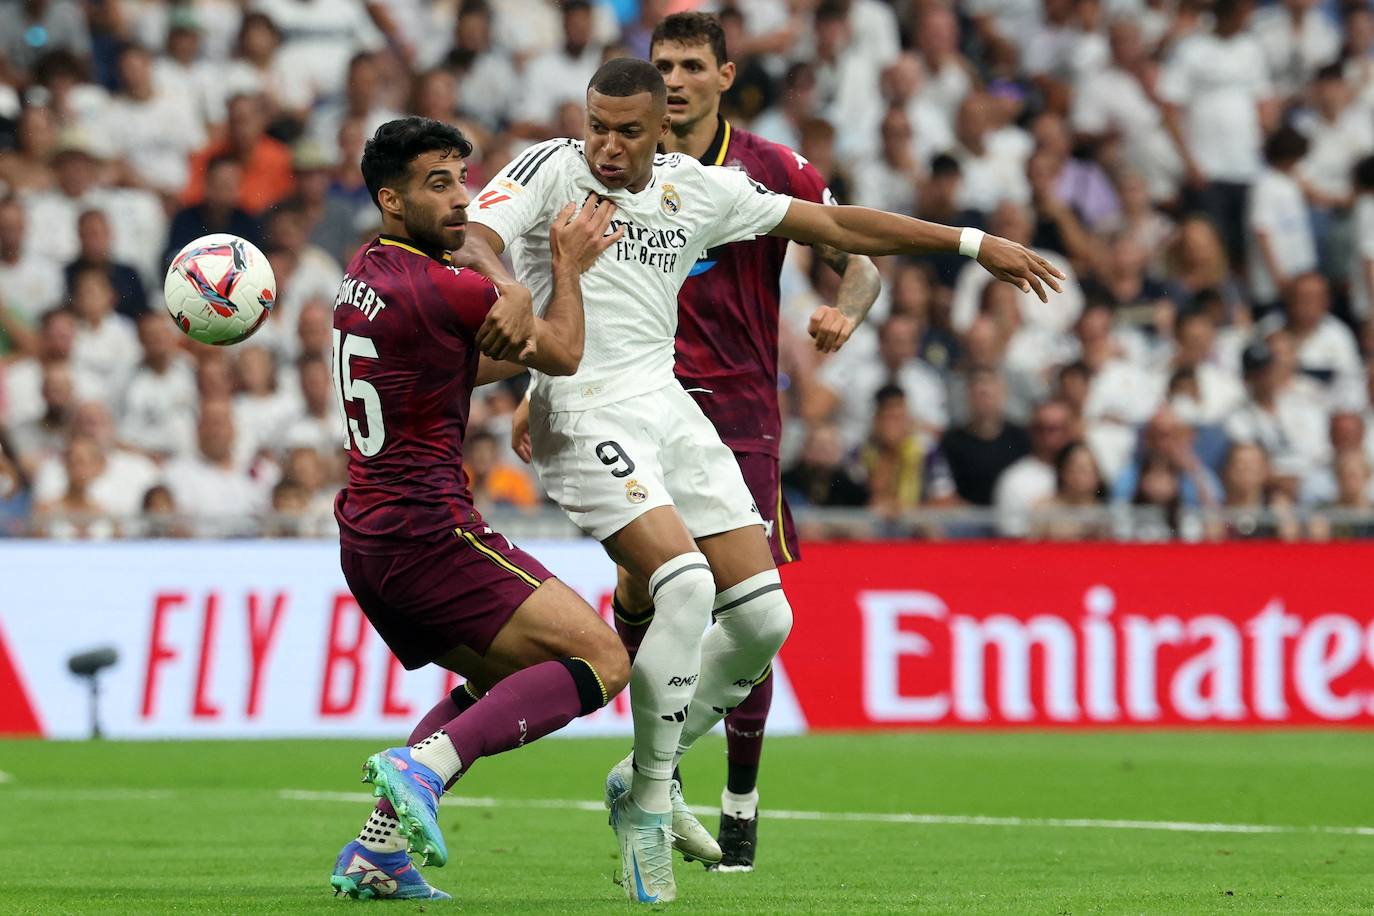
point(348, 347)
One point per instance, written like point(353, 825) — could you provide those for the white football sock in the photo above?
point(665, 672)
point(753, 619)
point(438, 753)
point(740, 807)
point(381, 833)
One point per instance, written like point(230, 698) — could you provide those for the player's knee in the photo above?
point(757, 610)
point(613, 665)
point(682, 591)
point(599, 675)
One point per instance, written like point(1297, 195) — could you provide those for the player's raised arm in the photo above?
point(875, 232)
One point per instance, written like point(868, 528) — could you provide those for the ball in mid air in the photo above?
point(220, 289)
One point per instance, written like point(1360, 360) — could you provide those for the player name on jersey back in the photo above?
point(630, 293)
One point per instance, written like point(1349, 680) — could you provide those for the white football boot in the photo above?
point(646, 851)
point(689, 837)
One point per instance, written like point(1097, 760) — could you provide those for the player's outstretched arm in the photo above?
point(875, 232)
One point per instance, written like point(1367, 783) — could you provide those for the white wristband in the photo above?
point(970, 240)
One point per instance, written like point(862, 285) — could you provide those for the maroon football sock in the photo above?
point(446, 710)
point(630, 626)
point(525, 707)
point(744, 736)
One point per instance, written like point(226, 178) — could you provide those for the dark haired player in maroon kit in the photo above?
point(438, 584)
point(727, 356)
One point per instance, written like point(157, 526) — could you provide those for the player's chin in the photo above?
point(454, 237)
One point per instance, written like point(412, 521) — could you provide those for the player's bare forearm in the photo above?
point(560, 334)
point(495, 370)
point(860, 283)
point(860, 230)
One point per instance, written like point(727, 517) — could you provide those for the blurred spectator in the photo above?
point(820, 478)
point(106, 345)
point(28, 167)
point(980, 450)
point(361, 99)
point(120, 480)
point(1339, 134)
point(1281, 244)
point(948, 74)
point(888, 182)
point(560, 74)
point(150, 126)
point(992, 162)
point(265, 162)
point(928, 131)
point(96, 240)
point(21, 381)
point(76, 513)
point(1159, 485)
point(321, 36)
point(29, 30)
point(1247, 479)
point(211, 485)
point(136, 216)
point(46, 434)
point(1218, 392)
point(846, 387)
point(30, 280)
point(487, 80)
point(1030, 480)
point(1167, 438)
point(1326, 349)
point(1078, 490)
point(1362, 253)
point(797, 104)
point(258, 69)
point(184, 69)
point(16, 502)
point(1283, 414)
point(1218, 98)
point(331, 220)
point(316, 425)
point(159, 408)
point(903, 469)
point(260, 410)
point(495, 481)
point(218, 210)
point(1296, 38)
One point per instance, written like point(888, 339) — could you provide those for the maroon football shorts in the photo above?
point(457, 589)
point(763, 475)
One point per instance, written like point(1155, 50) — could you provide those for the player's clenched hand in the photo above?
point(520, 432)
point(508, 331)
point(579, 236)
point(829, 328)
point(1020, 266)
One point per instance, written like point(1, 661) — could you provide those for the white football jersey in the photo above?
point(630, 293)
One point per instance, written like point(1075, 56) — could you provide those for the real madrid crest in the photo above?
point(671, 201)
point(634, 492)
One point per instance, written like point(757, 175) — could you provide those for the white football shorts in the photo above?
point(609, 465)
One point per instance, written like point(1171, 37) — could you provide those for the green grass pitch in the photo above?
point(206, 826)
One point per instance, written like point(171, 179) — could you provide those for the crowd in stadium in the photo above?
point(1202, 171)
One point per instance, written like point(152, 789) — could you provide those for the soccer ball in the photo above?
point(220, 289)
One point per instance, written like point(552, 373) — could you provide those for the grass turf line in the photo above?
point(212, 833)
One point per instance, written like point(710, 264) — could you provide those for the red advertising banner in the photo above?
point(988, 634)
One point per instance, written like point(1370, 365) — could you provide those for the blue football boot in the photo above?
point(413, 790)
point(366, 875)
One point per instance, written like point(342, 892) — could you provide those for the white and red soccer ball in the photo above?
point(220, 289)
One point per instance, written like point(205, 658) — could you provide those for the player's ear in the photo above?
point(390, 201)
point(727, 75)
point(664, 126)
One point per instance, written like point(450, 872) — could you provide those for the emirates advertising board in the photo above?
point(262, 639)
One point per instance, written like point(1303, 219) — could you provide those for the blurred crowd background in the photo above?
point(1200, 170)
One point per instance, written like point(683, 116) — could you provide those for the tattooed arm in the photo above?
point(859, 285)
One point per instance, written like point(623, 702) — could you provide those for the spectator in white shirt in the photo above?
point(124, 476)
point(1217, 91)
point(361, 99)
point(782, 123)
point(30, 280)
point(1326, 349)
point(846, 79)
point(1030, 481)
point(1282, 413)
point(1297, 39)
point(488, 86)
point(106, 344)
point(21, 380)
point(1281, 243)
point(1339, 134)
point(212, 485)
point(905, 86)
point(46, 434)
point(261, 410)
point(1362, 249)
point(1219, 392)
point(154, 128)
point(560, 74)
point(317, 424)
point(888, 181)
point(948, 72)
point(993, 162)
point(258, 69)
point(159, 409)
point(184, 69)
point(321, 36)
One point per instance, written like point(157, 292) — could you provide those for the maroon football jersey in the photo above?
point(404, 366)
point(727, 331)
